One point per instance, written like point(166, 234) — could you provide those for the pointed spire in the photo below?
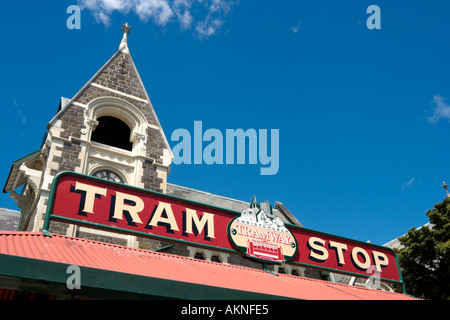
point(254, 203)
point(124, 43)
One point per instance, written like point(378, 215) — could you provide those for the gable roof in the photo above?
point(103, 77)
point(17, 177)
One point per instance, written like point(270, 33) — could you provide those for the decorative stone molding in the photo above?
point(140, 139)
point(92, 123)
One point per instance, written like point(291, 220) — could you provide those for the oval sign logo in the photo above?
point(262, 236)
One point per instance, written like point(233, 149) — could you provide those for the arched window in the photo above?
point(113, 132)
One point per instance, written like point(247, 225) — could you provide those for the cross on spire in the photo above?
point(126, 29)
point(124, 43)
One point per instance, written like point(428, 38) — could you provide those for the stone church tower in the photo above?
point(110, 130)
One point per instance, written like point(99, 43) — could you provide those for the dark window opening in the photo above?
point(215, 258)
point(113, 132)
point(199, 255)
point(325, 276)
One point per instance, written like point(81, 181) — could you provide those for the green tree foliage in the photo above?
point(425, 257)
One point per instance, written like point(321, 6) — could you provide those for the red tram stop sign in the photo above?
point(86, 200)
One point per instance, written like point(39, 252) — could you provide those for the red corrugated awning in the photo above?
point(35, 256)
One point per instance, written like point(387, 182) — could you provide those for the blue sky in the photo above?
point(363, 114)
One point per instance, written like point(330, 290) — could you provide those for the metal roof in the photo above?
point(33, 255)
point(224, 202)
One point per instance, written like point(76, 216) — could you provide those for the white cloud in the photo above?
point(408, 184)
point(208, 19)
point(182, 11)
point(208, 28)
point(158, 10)
point(19, 111)
point(296, 28)
point(442, 109)
point(216, 10)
